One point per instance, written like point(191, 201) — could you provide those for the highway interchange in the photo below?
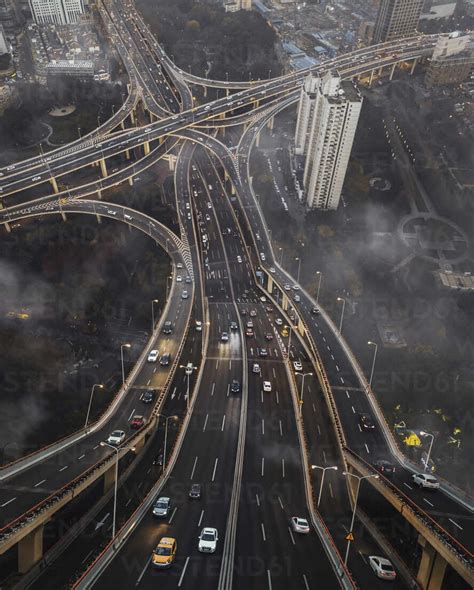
point(243, 448)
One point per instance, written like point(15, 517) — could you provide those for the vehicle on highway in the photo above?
point(158, 460)
point(188, 280)
point(243, 312)
point(287, 287)
point(116, 437)
point(298, 366)
point(208, 540)
point(167, 327)
point(195, 491)
point(267, 386)
point(272, 270)
point(152, 356)
point(165, 359)
point(234, 326)
point(198, 326)
point(384, 467)
point(255, 368)
point(147, 396)
point(249, 332)
point(128, 217)
point(239, 259)
point(249, 324)
point(179, 278)
point(224, 337)
point(315, 310)
point(189, 369)
point(162, 507)
point(235, 386)
point(425, 481)
point(382, 567)
point(110, 212)
point(296, 287)
point(179, 265)
point(184, 295)
point(284, 331)
point(209, 205)
point(253, 313)
point(297, 298)
point(268, 336)
point(299, 525)
point(137, 422)
point(269, 309)
point(279, 322)
point(164, 553)
point(366, 422)
point(263, 352)
point(263, 299)
point(262, 257)
point(35, 178)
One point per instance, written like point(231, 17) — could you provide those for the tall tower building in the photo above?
point(327, 122)
point(56, 12)
point(397, 18)
point(8, 14)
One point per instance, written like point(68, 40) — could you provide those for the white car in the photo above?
point(425, 480)
point(239, 259)
point(153, 356)
point(179, 279)
point(296, 287)
point(256, 368)
point(298, 366)
point(299, 525)
point(279, 322)
point(287, 287)
point(224, 337)
point(272, 270)
point(208, 540)
point(267, 386)
point(116, 437)
point(382, 567)
point(184, 295)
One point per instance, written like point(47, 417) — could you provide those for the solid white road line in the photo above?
point(214, 471)
point(6, 503)
point(200, 518)
point(205, 422)
point(183, 572)
point(291, 536)
point(39, 483)
point(194, 467)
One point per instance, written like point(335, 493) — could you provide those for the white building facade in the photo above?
point(56, 12)
point(327, 122)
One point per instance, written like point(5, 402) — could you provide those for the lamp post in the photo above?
point(323, 469)
point(320, 274)
point(90, 402)
point(303, 375)
point(116, 449)
point(281, 256)
point(374, 344)
point(299, 269)
point(423, 433)
point(153, 301)
point(359, 479)
point(189, 371)
point(122, 346)
point(166, 418)
point(342, 313)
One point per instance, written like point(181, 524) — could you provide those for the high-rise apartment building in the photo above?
point(327, 121)
point(56, 12)
point(8, 14)
point(397, 18)
point(452, 60)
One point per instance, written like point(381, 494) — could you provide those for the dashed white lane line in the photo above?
point(228, 389)
point(223, 423)
point(283, 467)
point(406, 485)
point(142, 573)
point(81, 457)
point(172, 515)
point(281, 429)
point(324, 456)
point(212, 393)
point(215, 468)
point(96, 447)
point(342, 380)
point(205, 422)
point(277, 398)
point(332, 356)
point(456, 524)
point(217, 365)
point(263, 465)
point(281, 503)
point(319, 429)
point(337, 368)
point(131, 415)
point(183, 572)
point(148, 382)
point(306, 585)
point(273, 371)
point(64, 468)
point(261, 395)
point(194, 467)
point(353, 411)
point(314, 408)
point(331, 493)
point(269, 579)
point(367, 448)
point(291, 536)
point(200, 518)
point(8, 502)
point(258, 500)
point(263, 531)
point(87, 556)
point(428, 502)
point(39, 483)
point(348, 396)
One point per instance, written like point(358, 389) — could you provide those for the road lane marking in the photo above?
point(223, 423)
point(428, 502)
point(215, 467)
point(281, 430)
point(324, 456)
point(148, 382)
point(277, 398)
point(81, 457)
point(194, 467)
point(96, 447)
point(183, 572)
point(228, 389)
point(263, 531)
point(342, 380)
point(455, 524)
point(348, 396)
point(39, 483)
point(64, 468)
point(367, 448)
point(205, 422)
point(363, 556)
point(261, 395)
point(332, 356)
point(291, 536)
point(131, 415)
point(281, 503)
point(230, 365)
point(6, 503)
point(274, 374)
point(263, 465)
point(306, 585)
point(330, 490)
point(87, 556)
point(269, 578)
point(217, 365)
point(353, 411)
point(314, 408)
point(337, 368)
point(319, 429)
point(409, 487)
point(258, 500)
point(200, 518)
point(212, 393)
point(283, 467)
point(263, 426)
point(360, 429)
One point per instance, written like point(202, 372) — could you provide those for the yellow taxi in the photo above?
point(284, 331)
point(164, 553)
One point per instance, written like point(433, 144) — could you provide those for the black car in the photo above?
point(234, 326)
point(235, 386)
point(167, 327)
point(148, 396)
point(385, 467)
point(366, 422)
point(315, 310)
point(263, 352)
point(158, 460)
point(195, 491)
point(165, 359)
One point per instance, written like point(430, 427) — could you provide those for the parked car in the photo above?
point(299, 525)
point(382, 567)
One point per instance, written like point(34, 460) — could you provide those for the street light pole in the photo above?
point(281, 256)
point(302, 389)
point(318, 272)
point(188, 375)
point(323, 469)
point(423, 433)
point(116, 450)
point(342, 313)
point(122, 346)
point(370, 343)
point(153, 314)
point(359, 480)
point(166, 418)
point(90, 402)
point(299, 268)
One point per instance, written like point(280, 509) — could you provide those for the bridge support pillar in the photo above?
point(415, 61)
point(392, 72)
point(269, 284)
point(284, 302)
point(227, 92)
point(172, 162)
point(138, 446)
point(146, 148)
point(432, 567)
point(371, 78)
point(205, 91)
point(130, 180)
point(257, 141)
point(132, 116)
point(30, 550)
point(127, 154)
point(54, 184)
point(380, 71)
point(122, 124)
point(103, 168)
